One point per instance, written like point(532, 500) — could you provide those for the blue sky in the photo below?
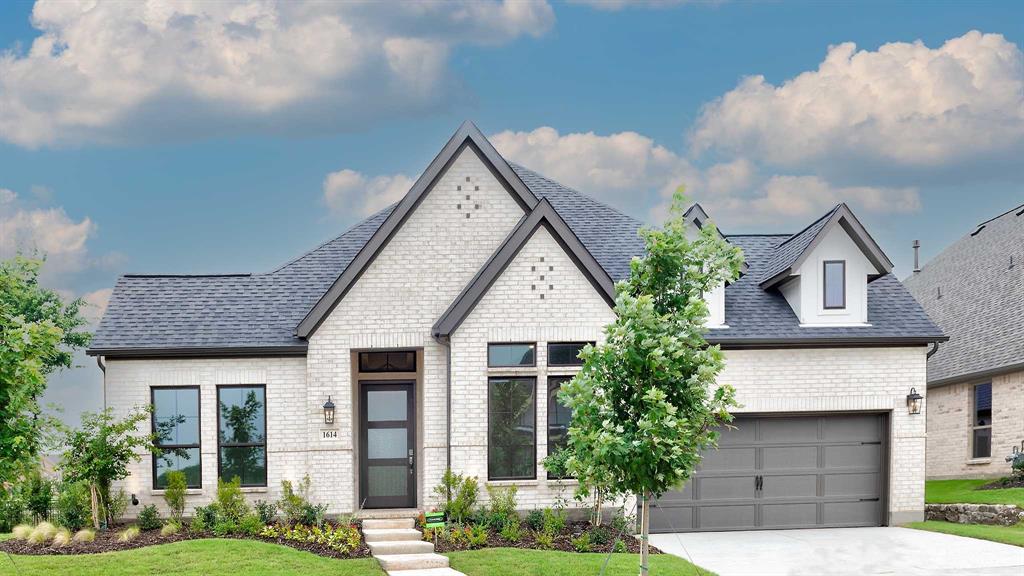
point(127, 151)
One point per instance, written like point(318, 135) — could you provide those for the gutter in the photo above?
point(935, 348)
point(103, 368)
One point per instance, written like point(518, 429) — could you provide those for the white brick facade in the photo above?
point(949, 427)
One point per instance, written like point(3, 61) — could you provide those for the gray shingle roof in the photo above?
point(258, 313)
point(982, 304)
point(790, 249)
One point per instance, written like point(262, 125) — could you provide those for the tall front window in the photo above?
point(176, 425)
point(242, 433)
point(835, 284)
point(511, 434)
point(559, 418)
point(981, 440)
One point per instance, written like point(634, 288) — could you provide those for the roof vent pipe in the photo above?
point(917, 252)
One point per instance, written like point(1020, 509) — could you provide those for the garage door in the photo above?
point(784, 472)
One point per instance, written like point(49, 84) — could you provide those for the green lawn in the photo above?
point(513, 562)
point(963, 492)
point(1005, 534)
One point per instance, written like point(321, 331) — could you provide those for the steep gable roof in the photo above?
point(974, 290)
point(791, 252)
point(541, 216)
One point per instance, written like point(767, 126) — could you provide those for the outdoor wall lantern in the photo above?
point(135, 500)
point(328, 411)
point(914, 401)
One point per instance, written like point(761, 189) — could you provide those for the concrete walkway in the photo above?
point(843, 551)
point(399, 548)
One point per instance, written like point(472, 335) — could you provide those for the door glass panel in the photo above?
point(386, 405)
point(387, 481)
point(386, 443)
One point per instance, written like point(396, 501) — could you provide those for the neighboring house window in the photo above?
point(565, 353)
point(392, 361)
point(176, 425)
point(982, 424)
point(511, 429)
point(509, 355)
point(559, 418)
point(835, 284)
point(242, 433)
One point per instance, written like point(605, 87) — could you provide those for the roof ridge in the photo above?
point(811, 225)
point(576, 192)
point(233, 275)
point(347, 231)
point(1000, 216)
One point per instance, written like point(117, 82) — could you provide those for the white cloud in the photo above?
point(97, 302)
point(616, 5)
point(125, 71)
point(349, 193)
point(904, 105)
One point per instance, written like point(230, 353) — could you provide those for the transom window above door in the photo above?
point(511, 355)
point(388, 361)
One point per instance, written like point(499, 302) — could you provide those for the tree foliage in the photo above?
point(39, 332)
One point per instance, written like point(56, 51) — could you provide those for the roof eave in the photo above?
point(824, 342)
point(199, 351)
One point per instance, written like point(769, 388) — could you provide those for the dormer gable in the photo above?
point(696, 218)
point(823, 271)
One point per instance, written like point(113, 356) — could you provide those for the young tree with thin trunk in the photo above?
point(646, 403)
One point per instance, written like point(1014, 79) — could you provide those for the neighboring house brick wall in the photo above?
point(396, 301)
point(844, 379)
point(949, 428)
point(127, 385)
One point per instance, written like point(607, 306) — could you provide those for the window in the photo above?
point(400, 361)
point(504, 355)
point(176, 425)
point(565, 353)
point(981, 440)
point(559, 418)
point(242, 434)
point(511, 437)
point(835, 284)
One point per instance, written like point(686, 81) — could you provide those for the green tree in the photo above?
point(39, 333)
point(100, 451)
point(645, 402)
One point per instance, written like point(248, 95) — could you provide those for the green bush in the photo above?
point(117, 505)
point(231, 504)
point(296, 507)
point(581, 543)
point(600, 535)
point(619, 547)
point(149, 518)
point(623, 524)
point(477, 537)
point(459, 495)
point(251, 525)
point(544, 540)
point(225, 527)
point(535, 520)
point(266, 511)
point(197, 525)
point(554, 521)
point(503, 500)
point(73, 505)
point(128, 534)
point(341, 538)
point(170, 529)
point(12, 510)
point(512, 530)
point(174, 494)
point(38, 496)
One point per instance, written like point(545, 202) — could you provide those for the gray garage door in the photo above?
point(784, 472)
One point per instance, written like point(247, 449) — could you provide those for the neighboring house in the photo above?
point(435, 333)
point(974, 290)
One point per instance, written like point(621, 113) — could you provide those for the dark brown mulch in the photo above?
point(1016, 482)
point(562, 541)
point(106, 541)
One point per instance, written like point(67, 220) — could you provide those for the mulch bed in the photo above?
point(1017, 482)
point(106, 541)
point(562, 541)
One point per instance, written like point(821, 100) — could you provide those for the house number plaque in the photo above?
point(329, 434)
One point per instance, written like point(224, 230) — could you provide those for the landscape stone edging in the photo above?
point(993, 514)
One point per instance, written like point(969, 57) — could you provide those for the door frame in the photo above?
point(411, 488)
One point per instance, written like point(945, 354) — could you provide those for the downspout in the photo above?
point(444, 341)
point(103, 368)
point(935, 348)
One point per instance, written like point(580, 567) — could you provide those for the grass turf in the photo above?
point(964, 492)
point(1005, 534)
point(516, 562)
point(193, 557)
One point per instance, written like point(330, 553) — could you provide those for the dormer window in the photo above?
point(835, 284)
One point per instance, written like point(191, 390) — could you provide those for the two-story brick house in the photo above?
point(435, 333)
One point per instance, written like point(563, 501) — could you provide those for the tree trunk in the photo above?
point(645, 530)
point(94, 501)
point(598, 504)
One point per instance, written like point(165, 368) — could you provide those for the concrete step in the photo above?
point(391, 535)
point(427, 572)
point(387, 523)
point(400, 547)
point(397, 562)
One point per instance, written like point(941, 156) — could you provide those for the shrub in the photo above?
point(84, 535)
point(623, 524)
point(251, 525)
point(554, 521)
point(1016, 461)
point(477, 536)
point(456, 536)
point(21, 531)
point(128, 534)
point(341, 538)
point(296, 507)
point(149, 518)
point(38, 496)
point(619, 547)
point(600, 535)
point(12, 509)
point(174, 494)
point(512, 530)
point(197, 525)
point(73, 506)
point(62, 537)
point(231, 502)
point(266, 511)
point(459, 495)
point(43, 532)
point(207, 514)
point(581, 543)
point(503, 500)
point(170, 529)
point(117, 505)
point(225, 527)
point(544, 540)
point(535, 520)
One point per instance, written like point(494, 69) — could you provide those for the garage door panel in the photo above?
point(865, 485)
point(729, 459)
point(726, 488)
point(682, 494)
point(853, 456)
point(788, 515)
point(671, 519)
point(803, 486)
point(865, 428)
point(851, 513)
point(789, 457)
point(727, 517)
point(741, 432)
point(788, 429)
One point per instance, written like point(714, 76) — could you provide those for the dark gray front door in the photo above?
point(783, 472)
point(387, 442)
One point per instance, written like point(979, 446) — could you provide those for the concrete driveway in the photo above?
point(841, 551)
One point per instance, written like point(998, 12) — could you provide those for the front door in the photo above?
point(387, 441)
